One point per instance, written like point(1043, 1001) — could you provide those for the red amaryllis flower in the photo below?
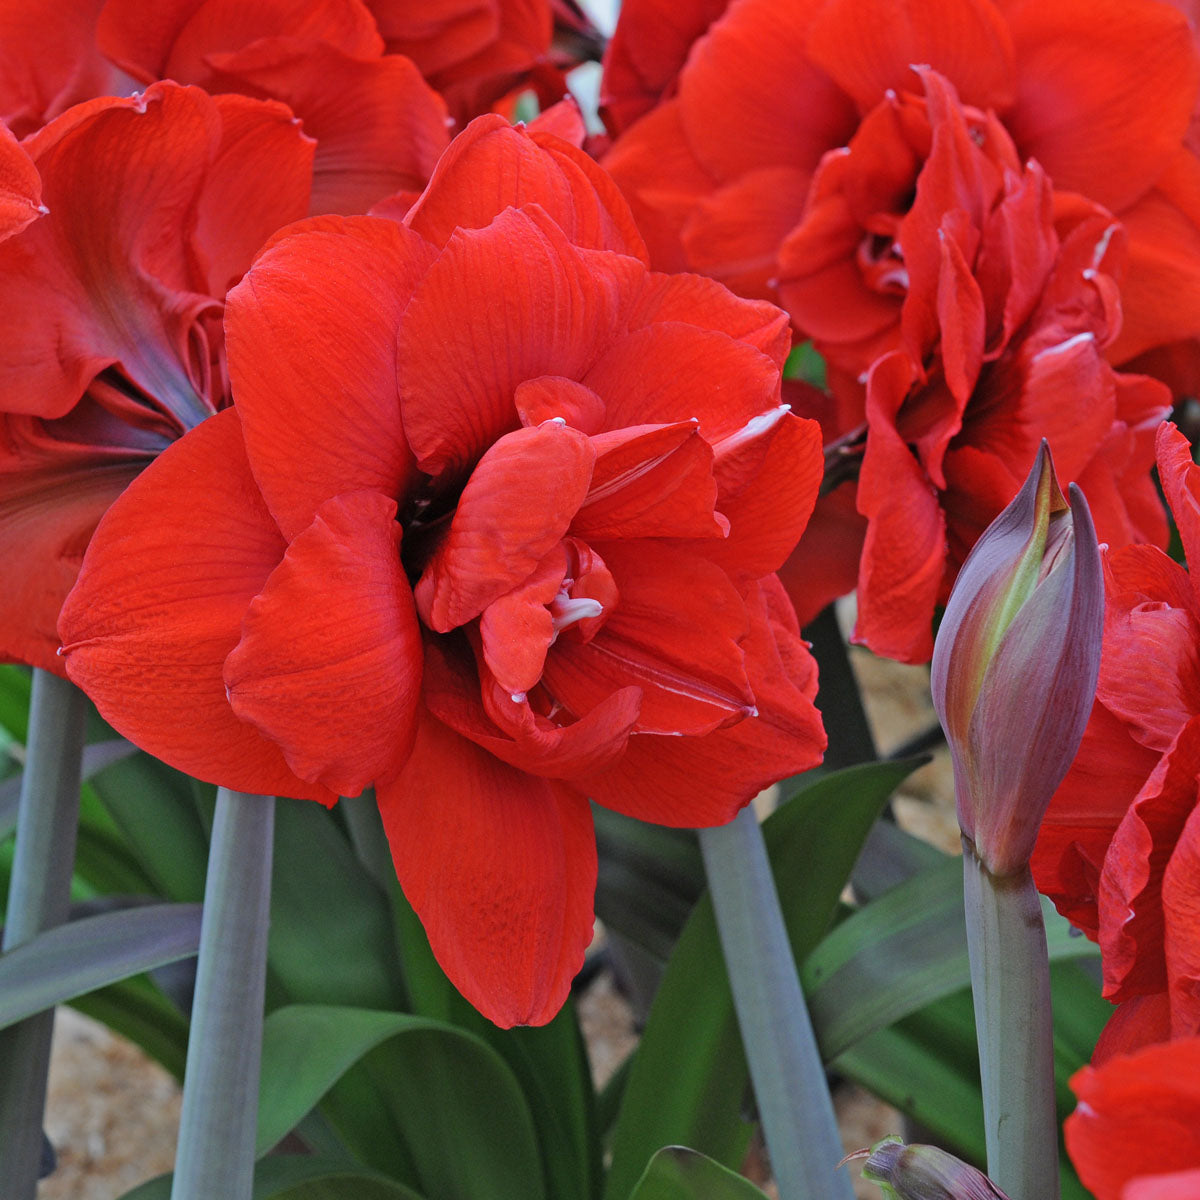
point(1135, 1134)
point(1004, 330)
point(1149, 690)
point(110, 314)
point(379, 126)
point(743, 170)
point(491, 526)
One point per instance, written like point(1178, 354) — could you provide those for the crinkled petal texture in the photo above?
point(149, 644)
point(1138, 1115)
point(523, 559)
point(1134, 764)
point(379, 126)
point(105, 278)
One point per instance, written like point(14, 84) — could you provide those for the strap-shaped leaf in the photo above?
point(87, 954)
point(677, 1173)
point(899, 953)
point(300, 1178)
point(455, 1103)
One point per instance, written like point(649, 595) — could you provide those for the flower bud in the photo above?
point(1015, 664)
point(923, 1173)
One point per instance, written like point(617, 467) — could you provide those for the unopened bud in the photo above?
point(922, 1173)
point(1015, 664)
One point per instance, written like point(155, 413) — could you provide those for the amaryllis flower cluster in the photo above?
point(380, 86)
point(491, 526)
point(957, 238)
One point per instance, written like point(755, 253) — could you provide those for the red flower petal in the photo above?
point(491, 166)
point(516, 507)
point(503, 276)
point(501, 869)
point(20, 186)
point(1181, 485)
point(1140, 1021)
point(48, 511)
point(379, 126)
point(1181, 922)
point(329, 664)
point(174, 38)
point(149, 645)
point(706, 780)
point(106, 278)
point(675, 633)
point(1105, 90)
point(739, 71)
point(1138, 1115)
point(869, 46)
point(651, 481)
point(319, 288)
point(1130, 902)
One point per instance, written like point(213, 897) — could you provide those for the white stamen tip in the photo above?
point(517, 697)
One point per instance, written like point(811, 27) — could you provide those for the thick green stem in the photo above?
point(1010, 983)
point(789, 1080)
point(220, 1088)
point(39, 896)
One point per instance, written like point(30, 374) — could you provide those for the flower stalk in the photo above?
point(1010, 988)
point(220, 1088)
point(39, 897)
point(785, 1066)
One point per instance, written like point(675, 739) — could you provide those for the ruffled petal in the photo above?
point(739, 71)
point(20, 186)
point(675, 633)
point(1105, 90)
point(515, 509)
point(379, 126)
point(318, 288)
point(492, 166)
point(1130, 902)
point(870, 46)
point(538, 306)
point(149, 644)
point(695, 782)
point(1180, 479)
point(500, 867)
point(174, 38)
point(329, 663)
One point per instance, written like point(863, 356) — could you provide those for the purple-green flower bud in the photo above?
point(923, 1173)
point(1015, 664)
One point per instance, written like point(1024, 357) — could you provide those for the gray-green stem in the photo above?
point(220, 1088)
point(39, 896)
point(1010, 984)
point(785, 1066)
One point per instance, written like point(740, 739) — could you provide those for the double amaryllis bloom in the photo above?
point(1119, 849)
point(492, 526)
point(773, 143)
point(111, 298)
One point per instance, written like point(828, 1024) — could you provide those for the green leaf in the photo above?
point(450, 1098)
point(899, 953)
point(689, 1078)
point(79, 957)
point(151, 806)
point(16, 689)
point(300, 1178)
point(648, 881)
point(676, 1173)
point(321, 896)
